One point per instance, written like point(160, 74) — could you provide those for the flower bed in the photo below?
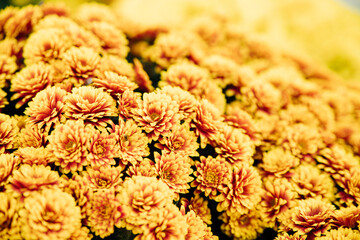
point(120, 130)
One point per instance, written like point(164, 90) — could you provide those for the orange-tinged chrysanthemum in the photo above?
point(213, 93)
point(128, 101)
point(81, 64)
point(187, 76)
point(341, 234)
point(312, 217)
point(69, 144)
point(157, 114)
point(174, 170)
point(165, 223)
point(145, 168)
point(8, 132)
point(278, 162)
point(112, 39)
point(34, 156)
point(350, 182)
point(180, 140)
point(47, 107)
point(310, 181)
point(102, 148)
point(104, 213)
point(117, 65)
point(32, 136)
point(196, 227)
point(212, 176)
point(95, 12)
point(131, 142)
point(8, 210)
point(242, 226)
point(5, 15)
point(113, 83)
point(199, 205)
point(104, 177)
point(28, 179)
point(45, 45)
point(235, 146)
point(142, 79)
point(7, 67)
point(243, 192)
point(49, 214)
point(238, 118)
point(278, 196)
point(92, 105)
point(23, 21)
point(207, 122)
point(186, 101)
point(348, 217)
point(286, 236)
point(7, 165)
point(31, 80)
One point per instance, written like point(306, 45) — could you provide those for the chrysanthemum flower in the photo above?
point(81, 64)
point(90, 104)
point(199, 205)
point(235, 146)
point(207, 122)
point(8, 209)
point(45, 45)
point(28, 179)
point(3, 99)
point(278, 197)
point(157, 114)
point(47, 107)
point(165, 223)
point(69, 144)
point(312, 217)
point(286, 236)
point(145, 168)
point(310, 181)
point(113, 83)
point(140, 195)
point(34, 156)
point(102, 148)
point(82, 233)
point(8, 132)
point(212, 176)
point(179, 140)
point(79, 188)
point(132, 144)
point(7, 67)
point(11, 48)
point(23, 21)
point(7, 165)
point(104, 177)
point(49, 214)
point(112, 39)
point(104, 213)
point(95, 12)
point(341, 234)
point(187, 76)
point(196, 227)
point(243, 192)
point(128, 101)
point(298, 113)
point(213, 93)
point(302, 139)
point(5, 15)
point(209, 28)
point(278, 162)
point(32, 136)
point(187, 102)
point(350, 182)
point(346, 217)
point(31, 80)
point(55, 8)
point(336, 160)
point(242, 226)
point(117, 65)
point(222, 69)
point(174, 170)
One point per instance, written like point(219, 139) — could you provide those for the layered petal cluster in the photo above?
point(174, 170)
point(49, 214)
point(92, 105)
point(34, 156)
point(145, 168)
point(102, 148)
point(7, 165)
point(156, 114)
point(341, 234)
point(8, 132)
point(196, 227)
point(69, 144)
point(7, 68)
point(47, 107)
point(348, 217)
point(350, 183)
point(104, 177)
point(9, 229)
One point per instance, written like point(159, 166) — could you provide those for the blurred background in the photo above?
point(328, 31)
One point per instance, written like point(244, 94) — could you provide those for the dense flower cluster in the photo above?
point(139, 131)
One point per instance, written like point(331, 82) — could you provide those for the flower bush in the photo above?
point(120, 130)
